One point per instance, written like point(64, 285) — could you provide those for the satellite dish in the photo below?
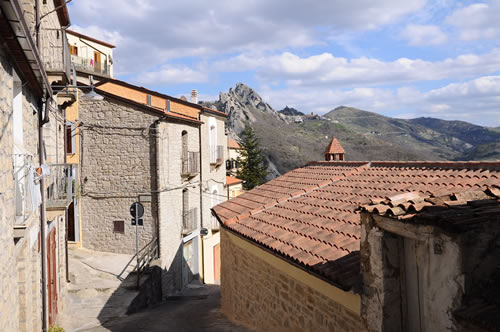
point(184, 98)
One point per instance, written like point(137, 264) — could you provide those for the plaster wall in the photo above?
point(439, 280)
point(86, 50)
point(171, 189)
point(213, 176)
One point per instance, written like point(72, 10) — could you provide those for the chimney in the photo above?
point(194, 96)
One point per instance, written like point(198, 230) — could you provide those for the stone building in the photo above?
point(36, 182)
point(140, 145)
point(210, 156)
point(291, 256)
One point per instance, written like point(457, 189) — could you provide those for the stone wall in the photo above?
point(8, 285)
point(260, 296)
point(117, 166)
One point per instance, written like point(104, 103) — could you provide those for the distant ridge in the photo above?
point(289, 144)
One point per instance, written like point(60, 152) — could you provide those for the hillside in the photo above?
point(364, 135)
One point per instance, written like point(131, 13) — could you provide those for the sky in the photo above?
point(403, 59)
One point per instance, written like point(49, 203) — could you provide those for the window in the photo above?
point(70, 138)
point(73, 50)
point(149, 102)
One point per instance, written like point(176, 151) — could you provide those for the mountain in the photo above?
point(290, 111)
point(364, 135)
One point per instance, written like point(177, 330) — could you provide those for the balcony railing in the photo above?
point(190, 163)
point(189, 220)
point(89, 65)
point(216, 154)
point(61, 185)
point(26, 184)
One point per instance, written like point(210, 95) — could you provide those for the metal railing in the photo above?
point(61, 185)
point(189, 220)
point(89, 65)
point(216, 154)
point(25, 185)
point(143, 259)
point(190, 163)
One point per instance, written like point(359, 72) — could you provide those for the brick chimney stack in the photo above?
point(194, 96)
point(334, 151)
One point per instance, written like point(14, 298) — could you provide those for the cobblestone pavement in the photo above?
point(197, 310)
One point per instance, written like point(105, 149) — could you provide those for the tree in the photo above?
point(252, 168)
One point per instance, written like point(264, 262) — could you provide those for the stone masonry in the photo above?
point(258, 295)
point(117, 143)
point(8, 285)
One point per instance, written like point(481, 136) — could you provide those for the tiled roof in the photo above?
point(455, 212)
point(311, 215)
point(214, 111)
point(334, 147)
point(231, 180)
point(169, 115)
point(232, 144)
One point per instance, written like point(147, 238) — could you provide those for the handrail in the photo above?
point(152, 249)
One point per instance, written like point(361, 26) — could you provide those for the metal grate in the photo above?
point(216, 154)
point(119, 226)
point(190, 163)
point(189, 220)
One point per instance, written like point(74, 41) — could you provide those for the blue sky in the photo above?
point(399, 58)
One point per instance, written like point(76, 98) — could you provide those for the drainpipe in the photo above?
point(43, 223)
point(158, 182)
point(201, 202)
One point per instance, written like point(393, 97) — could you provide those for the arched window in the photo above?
point(184, 143)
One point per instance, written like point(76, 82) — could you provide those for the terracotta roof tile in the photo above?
point(310, 215)
point(231, 180)
point(232, 144)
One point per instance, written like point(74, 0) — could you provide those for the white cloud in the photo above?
point(327, 69)
point(477, 21)
point(171, 74)
point(157, 31)
point(420, 35)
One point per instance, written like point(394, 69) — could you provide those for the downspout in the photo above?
point(201, 201)
point(158, 182)
point(66, 214)
point(41, 121)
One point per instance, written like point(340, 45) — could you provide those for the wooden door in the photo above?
point(52, 276)
point(217, 263)
point(97, 60)
point(414, 286)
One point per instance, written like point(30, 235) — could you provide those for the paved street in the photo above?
point(190, 312)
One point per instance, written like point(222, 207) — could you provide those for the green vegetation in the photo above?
point(56, 328)
point(253, 170)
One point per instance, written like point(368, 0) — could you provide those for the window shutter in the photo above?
point(73, 138)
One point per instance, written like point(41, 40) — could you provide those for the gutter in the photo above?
point(157, 182)
point(33, 48)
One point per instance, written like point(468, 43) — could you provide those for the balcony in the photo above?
point(27, 195)
point(189, 220)
point(216, 154)
point(190, 164)
point(61, 183)
point(89, 66)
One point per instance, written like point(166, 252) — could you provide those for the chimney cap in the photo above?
point(334, 147)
